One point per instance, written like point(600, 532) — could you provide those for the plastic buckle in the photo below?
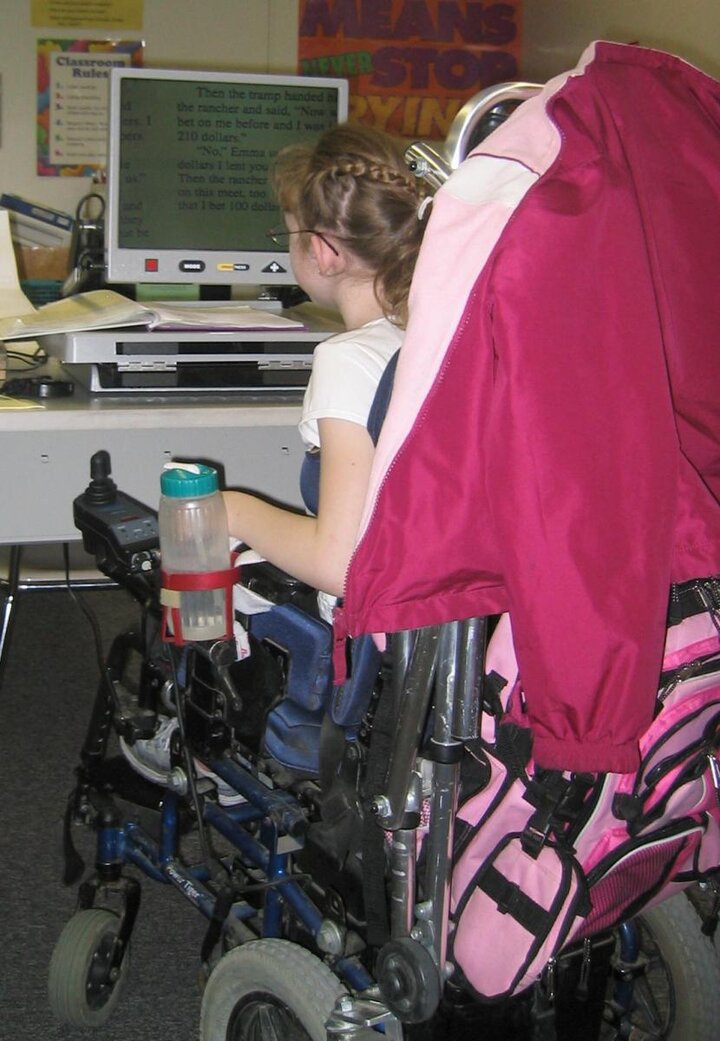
point(533, 839)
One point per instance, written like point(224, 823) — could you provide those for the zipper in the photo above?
point(659, 769)
point(627, 847)
point(696, 667)
point(709, 592)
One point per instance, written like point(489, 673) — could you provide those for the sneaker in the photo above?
point(150, 757)
point(227, 796)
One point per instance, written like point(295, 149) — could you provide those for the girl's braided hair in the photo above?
point(354, 183)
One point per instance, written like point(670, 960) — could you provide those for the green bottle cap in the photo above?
point(187, 480)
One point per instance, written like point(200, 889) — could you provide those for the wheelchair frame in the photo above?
point(255, 890)
point(268, 828)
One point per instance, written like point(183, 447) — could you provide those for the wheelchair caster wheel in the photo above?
point(676, 994)
point(84, 985)
point(409, 981)
point(268, 989)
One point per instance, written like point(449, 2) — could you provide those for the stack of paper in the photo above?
point(106, 309)
point(12, 299)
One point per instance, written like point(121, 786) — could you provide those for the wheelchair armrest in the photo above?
point(277, 586)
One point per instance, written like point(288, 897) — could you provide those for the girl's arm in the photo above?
point(316, 550)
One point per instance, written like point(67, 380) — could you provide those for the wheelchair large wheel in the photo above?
point(677, 994)
point(268, 989)
point(82, 989)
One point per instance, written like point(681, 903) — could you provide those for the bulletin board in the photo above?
point(72, 101)
point(411, 64)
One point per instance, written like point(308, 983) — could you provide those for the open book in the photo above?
point(106, 309)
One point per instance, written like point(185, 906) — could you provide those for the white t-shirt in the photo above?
point(345, 373)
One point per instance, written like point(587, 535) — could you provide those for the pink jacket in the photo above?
point(552, 447)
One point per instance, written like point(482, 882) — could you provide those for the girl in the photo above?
point(354, 218)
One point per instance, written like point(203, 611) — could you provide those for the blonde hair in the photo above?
point(354, 183)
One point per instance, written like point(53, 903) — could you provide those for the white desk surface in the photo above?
point(151, 411)
point(45, 453)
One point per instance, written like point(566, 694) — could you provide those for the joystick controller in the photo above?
point(102, 490)
point(119, 531)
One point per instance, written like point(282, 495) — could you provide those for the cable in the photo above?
point(27, 361)
point(18, 361)
point(209, 855)
point(189, 768)
point(92, 619)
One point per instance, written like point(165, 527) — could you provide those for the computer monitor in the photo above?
point(189, 152)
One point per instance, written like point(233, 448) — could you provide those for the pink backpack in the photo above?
point(543, 859)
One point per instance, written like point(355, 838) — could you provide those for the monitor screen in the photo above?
point(188, 198)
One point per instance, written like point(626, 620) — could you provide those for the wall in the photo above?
point(557, 31)
point(261, 35)
point(254, 35)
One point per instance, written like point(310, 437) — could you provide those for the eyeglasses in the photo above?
point(280, 237)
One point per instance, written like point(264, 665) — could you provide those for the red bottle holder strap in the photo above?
point(174, 583)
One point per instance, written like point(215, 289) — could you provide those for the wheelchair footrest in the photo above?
point(292, 737)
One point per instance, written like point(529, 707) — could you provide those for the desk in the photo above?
point(45, 454)
point(45, 457)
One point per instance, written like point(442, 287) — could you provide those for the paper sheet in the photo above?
point(8, 404)
point(12, 299)
point(247, 601)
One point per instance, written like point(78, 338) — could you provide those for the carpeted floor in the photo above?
point(46, 694)
point(45, 697)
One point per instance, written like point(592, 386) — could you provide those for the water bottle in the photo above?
point(194, 541)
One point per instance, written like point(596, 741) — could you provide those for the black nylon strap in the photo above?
point(690, 598)
point(511, 900)
point(379, 407)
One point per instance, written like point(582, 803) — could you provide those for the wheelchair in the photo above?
point(311, 826)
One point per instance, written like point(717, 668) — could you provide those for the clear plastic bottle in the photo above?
point(194, 538)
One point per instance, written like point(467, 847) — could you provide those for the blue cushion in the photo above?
point(292, 737)
point(307, 643)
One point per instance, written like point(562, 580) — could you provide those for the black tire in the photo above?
point(267, 989)
point(79, 990)
point(677, 998)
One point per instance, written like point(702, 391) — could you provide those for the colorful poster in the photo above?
point(72, 104)
point(411, 64)
point(90, 14)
